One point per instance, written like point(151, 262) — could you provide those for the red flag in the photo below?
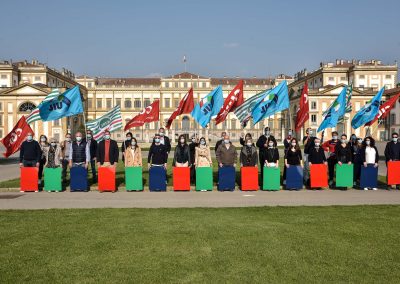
point(14, 139)
point(303, 112)
point(384, 109)
point(234, 99)
point(186, 105)
point(148, 114)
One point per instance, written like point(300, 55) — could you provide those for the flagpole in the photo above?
point(84, 123)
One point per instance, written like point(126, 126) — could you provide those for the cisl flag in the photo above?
point(302, 113)
point(14, 139)
point(384, 109)
point(186, 105)
point(234, 99)
point(149, 114)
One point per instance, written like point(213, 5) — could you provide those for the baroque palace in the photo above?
point(23, 85)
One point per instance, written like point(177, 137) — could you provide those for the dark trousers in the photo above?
point(357, 171)
point(331, 168)
point(192, 174)
point(29, 164)
point(41, 165)
point(93, 168)
point(64, 169)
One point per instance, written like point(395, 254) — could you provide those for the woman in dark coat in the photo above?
point(182, 153)
point(248, 154)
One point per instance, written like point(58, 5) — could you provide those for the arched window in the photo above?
point(185, 123)
point(26, 107)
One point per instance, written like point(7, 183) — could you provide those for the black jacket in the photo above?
point(343, 154)
point(248, 159)
point(272, 155)
point(262, 140)
point(192, 148)
point(309, 144)
point(392, 151)
point(157, 154)
point(186, 154)
point(316, 156)
point(30, 151)
point(363, 154)
point(167, 143)
point(93, 148)
point(113, 152)
point(219, 142)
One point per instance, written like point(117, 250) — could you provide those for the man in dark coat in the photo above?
point(107, 152)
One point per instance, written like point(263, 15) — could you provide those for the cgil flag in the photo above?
point(35, 114)
point(274, 100)
point(67, 104)
point(335, 111)
point(232, 101)
point(385, 109)
point(12, 142)
point(186, 105)
point(111, 121)
point(148, 114)
point(303, 112)
point(243, 112)
point(208, 107)
point(367, 112)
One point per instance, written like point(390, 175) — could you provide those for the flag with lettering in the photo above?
point(35, 114)
point(186, 105)
point(208, 107)
point(349, 107)
point(368, 111)
point(148, 114)
point(303, 112)
point(110, 121)
point(232, 101)
point(335, 111)
point(243, 112)
point(384, 109)
point(12, 142)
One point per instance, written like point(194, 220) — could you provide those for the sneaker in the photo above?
point(374, 188)
point(365, 188)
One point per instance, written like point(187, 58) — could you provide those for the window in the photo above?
point(89, 84)
point(388, 86)
point(166, 84)
point(195, 85)
point(392, 118)
point(3, 76)
point(99, 103)
point(1, 133)
point(118, 102)
point(176, 84)
point(361, 86)
point(56, 122)
point(156, 125)
point(313, 105)
point(146, 102)
point(26, 107)
point(374, 86)
point(176, 125)
point(313, 119)
point(90, 103)
point(233, 124)
point(167, 103)
point(137, 103)
point(108, 103)
point(388, 76)
point(176, 103)
point(185, 85)
point(38, 78)
point(1, 106)
point(362, 77)
point(331, 79)
point(343, 78)
point(128, 103)
point(1, 120)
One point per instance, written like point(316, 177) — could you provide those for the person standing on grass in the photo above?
point(182, 153)
point(271, 156)
point(308, 142)
point(392, 150)
point(357, 160)
point(44, 147)
point(293, 155)
point(133, 154)
point(203, 154)
point(125, 144)
point(79, 152)
point(164, 140)
point(316, 155)
point(343, 151)
point(226, 153)
point(54, 155)
point(30, 152)
point(330, 146)
point(248, 154)
point(92, 143)
point(192, 147)
point(158, 155)
point(66, 154)
point(107, 152)
point(369, 154)
point(219, 142)
point(262, 144)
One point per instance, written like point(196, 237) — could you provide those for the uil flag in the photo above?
point(35, 114)
point(243, 112)
point(111, 121)
point(274, 100)
point(384, 110)
point(12, 142)
point(367, 112)
point(67, 104)
point(303, 112)
point(335, 111)
point(186, 105)
point(209, 106)
point(148, 114)
point(234, 99)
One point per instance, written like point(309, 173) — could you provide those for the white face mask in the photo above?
point(226, 141)
point(394, 139)
point(157, 140)
point(368, 142)
point(271, 145)
point(182, 141)
point(202, 142)
point(79, 138)
point(43, 139)
point(161, 134)
point(29, 137)
point(133, 143)
point(267, 133)
point(311, 133)
point(128, 138)
point(89, 136)
point(344, 141)
point(317, 144)
point(294, 144)
point(53, 144)
point(194, 140)
point(334, 137)
point(290, 133)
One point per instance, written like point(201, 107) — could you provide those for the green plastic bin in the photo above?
point(134, 178)
point(344, 175)
point(272, 178)
point(52, 179)
point(204, 179)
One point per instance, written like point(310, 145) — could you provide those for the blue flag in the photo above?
point(209, 106)
point(335, 111)
point(367, 112)
point(67, 104)
point(274, 100)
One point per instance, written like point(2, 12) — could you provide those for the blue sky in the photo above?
point(219, 38)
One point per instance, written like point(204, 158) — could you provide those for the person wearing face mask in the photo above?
point(242, 140)
point(107, 152)
point(54, 155)
point(226, 153)
point(126, 144)
point(92, 144)
point(370, 155)
point(286, 142)
point(133, 154)
point(317, 154)
point(293, 156)
point(343, 151)
point(392, 150)
point(308, 142)
point(182, 153)
point(79, 152)
point(271, 156)
point(164, 140)
point(357, 160)
point(157, 154)
point(44, 147)
point(262, 144)
point(30, 152)
point(248, 155)
point(219, 142)
point(192, 147)
point(330, 146)
point(65, 152)
point(203, 154)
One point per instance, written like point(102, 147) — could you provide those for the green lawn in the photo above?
point(352, 244)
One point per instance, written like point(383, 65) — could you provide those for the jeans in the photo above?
point(29, 164)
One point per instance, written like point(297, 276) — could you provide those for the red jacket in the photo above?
point(329, 146)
